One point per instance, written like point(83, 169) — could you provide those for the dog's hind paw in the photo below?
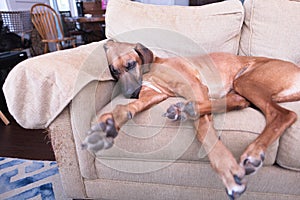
point(252, 164)
point(100, 136)
point(252, 159)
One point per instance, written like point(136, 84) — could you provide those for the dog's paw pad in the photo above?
point(108, 127)
point(97, 141)
point(174, 112)
point(237, 189)
point(251, 164)
point(190, 110)
point(100, 136)
point(182, 111)
point(238, 180)
point(236, 192)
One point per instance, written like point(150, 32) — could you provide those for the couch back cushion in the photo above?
point(271, 29)
point(214, 27)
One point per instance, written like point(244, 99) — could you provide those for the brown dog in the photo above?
point(257, 79)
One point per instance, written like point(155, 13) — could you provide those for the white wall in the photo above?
point(73, 7)
point(13, 5)
point(67, 5)
point(3, 6)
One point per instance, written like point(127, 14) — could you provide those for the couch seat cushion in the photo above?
point(289, 143)
point(149, 136)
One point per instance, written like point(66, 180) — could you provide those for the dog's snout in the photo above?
point(132, 93)
point(135, 94)
point(131, 83)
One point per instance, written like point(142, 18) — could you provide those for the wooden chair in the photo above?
point(47, 23)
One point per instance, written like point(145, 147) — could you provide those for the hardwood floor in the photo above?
point(18, 142)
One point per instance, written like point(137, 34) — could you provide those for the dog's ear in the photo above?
point(145, 54)
point(108, 43)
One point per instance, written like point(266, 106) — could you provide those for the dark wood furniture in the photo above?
point(95, 25)
point(72, 29)
point(94, 8)
point(97, 19)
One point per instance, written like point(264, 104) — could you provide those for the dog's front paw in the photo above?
point(230, 172)
point(175, 112)
point(181, 111)
point(238, 189)
point(100, 136)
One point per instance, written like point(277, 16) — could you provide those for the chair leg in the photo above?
point(58, 46)
point(73, 43)
point(46, 48)
point(4, 119)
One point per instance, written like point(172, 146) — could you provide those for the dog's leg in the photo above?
point(194, 109)
point(262, 93)
point(101, 135)
point(221, 159)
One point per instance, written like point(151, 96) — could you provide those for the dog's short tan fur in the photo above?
point(262, 81)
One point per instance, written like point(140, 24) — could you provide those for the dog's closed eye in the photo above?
point(114, 72)
point(131, 65)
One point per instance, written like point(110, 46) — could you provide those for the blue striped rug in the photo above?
point(22, 179)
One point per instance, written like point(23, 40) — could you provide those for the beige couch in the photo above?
point(154, 158)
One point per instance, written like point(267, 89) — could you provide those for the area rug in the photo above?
point(22, 179)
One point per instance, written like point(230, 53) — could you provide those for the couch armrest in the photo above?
point(39, 88)
point(68, 130)
point(62, 140)
point(83, 110)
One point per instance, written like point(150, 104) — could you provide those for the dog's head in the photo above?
point(126, 62)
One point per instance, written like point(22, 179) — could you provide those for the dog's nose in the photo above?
point(135, 94)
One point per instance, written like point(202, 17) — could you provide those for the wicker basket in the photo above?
point(17, 21)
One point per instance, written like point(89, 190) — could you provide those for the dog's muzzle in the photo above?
point(136, 93)
point(131, 85)
point(131, 92)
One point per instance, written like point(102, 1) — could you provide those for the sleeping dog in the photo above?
point(257, 80)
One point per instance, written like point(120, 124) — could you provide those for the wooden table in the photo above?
point(93, 19)
point(94, 23)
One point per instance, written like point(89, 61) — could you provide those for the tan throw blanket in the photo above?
point(39, 88)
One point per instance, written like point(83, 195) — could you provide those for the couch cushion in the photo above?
point(289, 143)
point(149, 136)
point(271, 29)
point(214, 27)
